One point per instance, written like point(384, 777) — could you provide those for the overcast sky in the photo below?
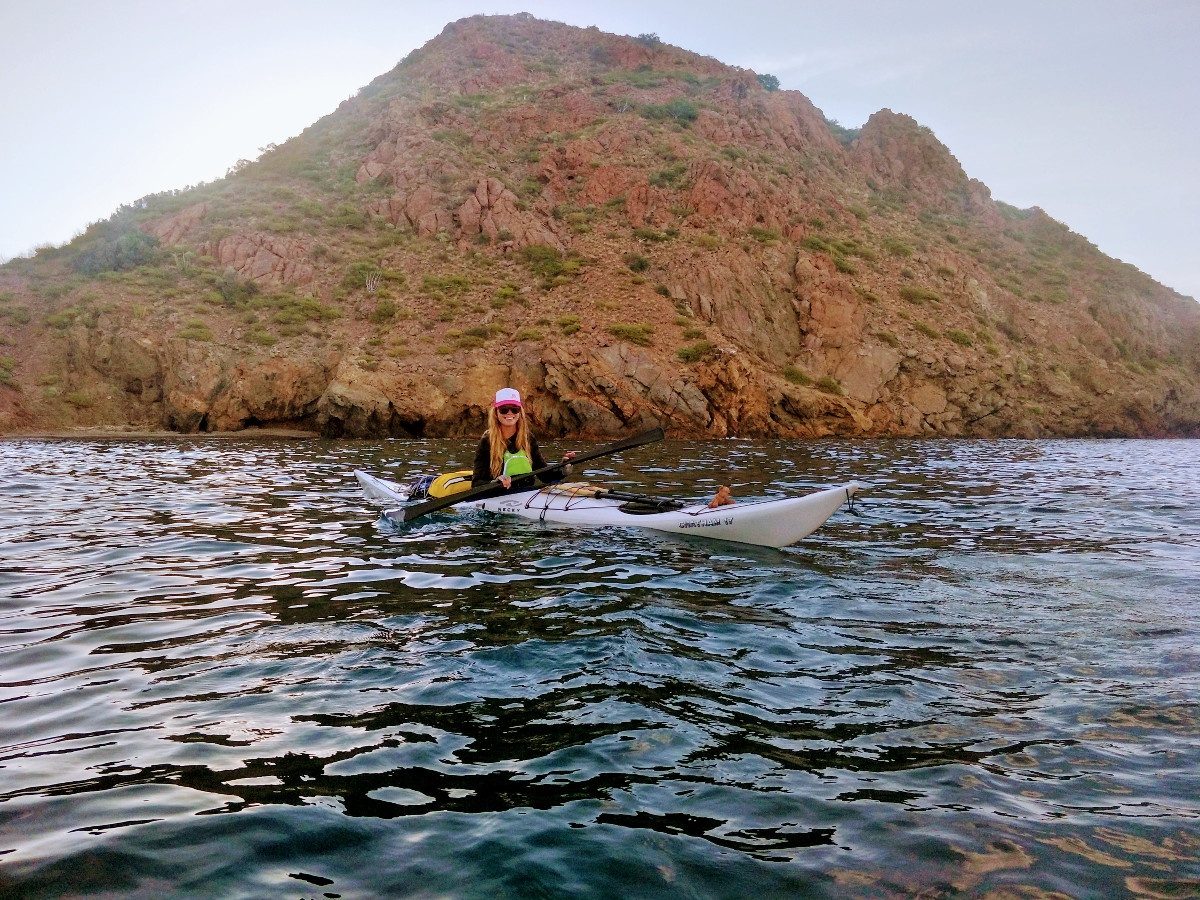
point(1089, 109)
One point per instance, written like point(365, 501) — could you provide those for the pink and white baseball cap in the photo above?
point(508, 397)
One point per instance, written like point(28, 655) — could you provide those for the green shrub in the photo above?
point(505, 294)
point(107, 247)
point(348, 216)
point(260, 337)
point(530, 334)
point(448, 285)
point(888, 338)
point(569, 324)
point(231, 289)
point(668, 176)
point(679, 110)
point(919, 295)
point(769, 82)
point(634, 334)
point(635, 262)
point(796, 376)
point(384, 311)
point(550, 264)
point(846, 136)
point(692, 333)
point(696, 352)
point(925, 329)
point(63, 319)
point(763, 235)
point(79, 399)
point(959, 337)
point(898, 248)
point(195, 330)
point(829, 385)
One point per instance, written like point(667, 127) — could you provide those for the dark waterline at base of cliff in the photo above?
point(223, 676)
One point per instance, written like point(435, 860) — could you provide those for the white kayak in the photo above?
point(767, 523)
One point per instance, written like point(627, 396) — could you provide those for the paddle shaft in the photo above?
point(495, 489)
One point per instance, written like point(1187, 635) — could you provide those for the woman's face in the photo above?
point(508, 416)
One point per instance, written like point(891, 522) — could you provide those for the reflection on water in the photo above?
point(223, 675)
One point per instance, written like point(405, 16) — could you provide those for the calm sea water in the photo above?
point(222, 676)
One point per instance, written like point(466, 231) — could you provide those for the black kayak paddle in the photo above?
point(495, 488)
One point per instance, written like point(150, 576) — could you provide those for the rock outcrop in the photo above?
point(630, 234)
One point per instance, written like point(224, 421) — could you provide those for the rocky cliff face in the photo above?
point(628, 233)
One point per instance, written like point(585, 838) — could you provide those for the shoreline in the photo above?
point(132, 433)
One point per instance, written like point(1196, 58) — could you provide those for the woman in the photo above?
point(508, 450)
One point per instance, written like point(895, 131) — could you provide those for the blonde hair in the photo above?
point(498, 445)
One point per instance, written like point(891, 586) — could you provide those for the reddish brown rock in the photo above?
point(711, 257)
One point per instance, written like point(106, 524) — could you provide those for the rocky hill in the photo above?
point(627, 232)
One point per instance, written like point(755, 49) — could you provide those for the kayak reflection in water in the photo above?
point(722, 498)
point(509, 450)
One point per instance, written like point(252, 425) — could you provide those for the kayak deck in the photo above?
point(769, 523)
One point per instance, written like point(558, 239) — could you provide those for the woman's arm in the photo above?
point(535, 455)
point(482, 473)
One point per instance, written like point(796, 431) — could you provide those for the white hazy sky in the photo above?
point(1089, 109)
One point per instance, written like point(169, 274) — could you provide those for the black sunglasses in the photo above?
point(508, 410)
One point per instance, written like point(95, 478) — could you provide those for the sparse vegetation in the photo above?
point(898, 248)
point(846, 136)
point(258, 336)
point(195, 330)
point(669, 176)
point(653, 234)
point(960, 337)
point(796, 376)
point(506, 294)
point(636, 262)
point(678, 110)
point(634, 334)
point(696, 352)
point(829, 385)
point(574, 140)
point(384, 311)
point(113, 247)
point(919, 295)
point(446, 285)
point(550, 264)
point(888, 338)
point(763, 235)
point(925, 329)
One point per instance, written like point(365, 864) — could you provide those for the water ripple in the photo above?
point(984, 681)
